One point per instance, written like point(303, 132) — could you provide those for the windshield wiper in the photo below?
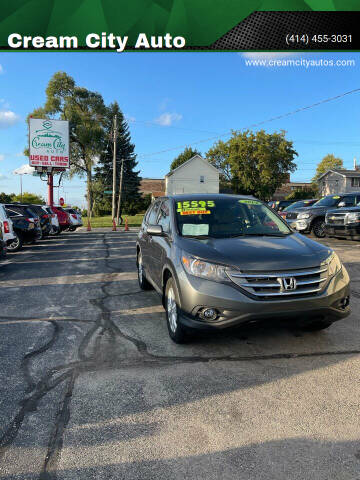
point(269, 234)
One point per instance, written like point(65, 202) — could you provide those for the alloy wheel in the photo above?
point(172, 310)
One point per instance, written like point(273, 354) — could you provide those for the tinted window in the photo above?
point(328, 201)
point(16, 210)
point(164, 217)
point(153, 214)
point(349, 200)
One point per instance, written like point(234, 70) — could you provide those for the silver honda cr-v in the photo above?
point(224, 260)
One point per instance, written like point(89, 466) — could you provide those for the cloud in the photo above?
point(130, 118)
point(268, 55)
point(2, 157)
point(8, 118)
point(1, 69)
point(24, 169)
point(166, 119)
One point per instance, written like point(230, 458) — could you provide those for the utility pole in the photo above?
point(120, 192)
point(114, 169)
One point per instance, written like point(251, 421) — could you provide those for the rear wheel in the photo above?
point(319, 228)
point(39, 235)
point(16, 244)
point(72, 229)
point(316, 326)
point(143, 283)
point(176, 330)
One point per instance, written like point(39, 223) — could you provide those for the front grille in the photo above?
point(336, 219)
point(279, 285)
point(291, 215)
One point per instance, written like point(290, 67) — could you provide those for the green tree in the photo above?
point(85, 112)
point(6, 197)
point(219, 156)
point(28, 197)
point(329, 162)
point(124, 151)
point(254, 163)
point(183, 157)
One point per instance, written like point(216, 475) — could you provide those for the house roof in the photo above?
point(190, 160)
point(342, 172)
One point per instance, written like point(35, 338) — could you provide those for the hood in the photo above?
point(259, 252)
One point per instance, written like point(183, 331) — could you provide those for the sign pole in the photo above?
point(50, 183)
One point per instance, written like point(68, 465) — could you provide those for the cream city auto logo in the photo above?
point(48, 139)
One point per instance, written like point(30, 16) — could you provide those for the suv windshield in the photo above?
point(227, 217)
point(328, 201)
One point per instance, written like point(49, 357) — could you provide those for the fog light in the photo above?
point(345, 302)
point(209, 314)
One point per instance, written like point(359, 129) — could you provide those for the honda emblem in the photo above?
point(287, 283)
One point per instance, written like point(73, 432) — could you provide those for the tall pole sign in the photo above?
point(49, 148)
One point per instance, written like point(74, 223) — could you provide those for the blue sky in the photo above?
point(176, 99)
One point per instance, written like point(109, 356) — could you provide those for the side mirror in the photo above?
point(341, 204)
point(155, 230)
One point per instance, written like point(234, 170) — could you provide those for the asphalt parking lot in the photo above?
point(93, 388)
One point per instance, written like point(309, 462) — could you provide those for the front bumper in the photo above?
point(343, 230)
point(236, 308)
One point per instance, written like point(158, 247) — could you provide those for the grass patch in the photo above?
point(106, 221)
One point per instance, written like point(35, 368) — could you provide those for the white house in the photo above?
point(196, 175)
point(339, 181)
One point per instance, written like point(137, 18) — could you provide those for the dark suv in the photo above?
point(312, 219)
point(224, 260)
point(25, 223)
point(44, 217)
point(344, 222)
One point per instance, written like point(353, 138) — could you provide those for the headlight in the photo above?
point(303, 215)
point(353, 217)
point(199, 268)
point(333, 263)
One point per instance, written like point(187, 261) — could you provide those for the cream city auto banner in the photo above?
point(49, 143)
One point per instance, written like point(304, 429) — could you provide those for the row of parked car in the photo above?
point(333, 215)
point(26, 223)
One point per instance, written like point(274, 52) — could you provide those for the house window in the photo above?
point(355, 181)
point(202, 179)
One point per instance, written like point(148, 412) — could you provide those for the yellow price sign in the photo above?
point(188, 205)
point(195, 212)
point(250, 202)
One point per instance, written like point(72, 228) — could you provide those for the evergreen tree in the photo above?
point(104, 169)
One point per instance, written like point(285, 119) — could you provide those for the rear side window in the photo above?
point(70, 210)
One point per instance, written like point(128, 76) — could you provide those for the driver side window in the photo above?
point(152, 217)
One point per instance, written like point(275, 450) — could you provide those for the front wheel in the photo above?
point(176, 330)
point(16, 244)
point(319, 228)
point(143, 283)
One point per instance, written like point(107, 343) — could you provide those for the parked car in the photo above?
point(287, 212)
point(6, 226)
point(75, 218)
point(344, 222)
point(25, 225)
point(312, 219)
point(55, 227)
point(3, 249)
point(44, 217)
point(63, 217)
point(224, 260)
point(280, 205)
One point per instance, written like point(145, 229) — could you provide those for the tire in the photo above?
point(176, 330)
point(57, 231)
point(39, 235)
point(316, 326)
point(16, 244)
point(319, 228)
point(143, 283)
point(72, 229)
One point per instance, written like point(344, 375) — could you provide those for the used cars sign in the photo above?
point(49, 143)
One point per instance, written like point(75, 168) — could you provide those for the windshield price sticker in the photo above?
point(195, 212)
point(336, 197)
point(188, 206)
point(250, 202)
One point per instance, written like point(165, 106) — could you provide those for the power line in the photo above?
point(253, 125)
